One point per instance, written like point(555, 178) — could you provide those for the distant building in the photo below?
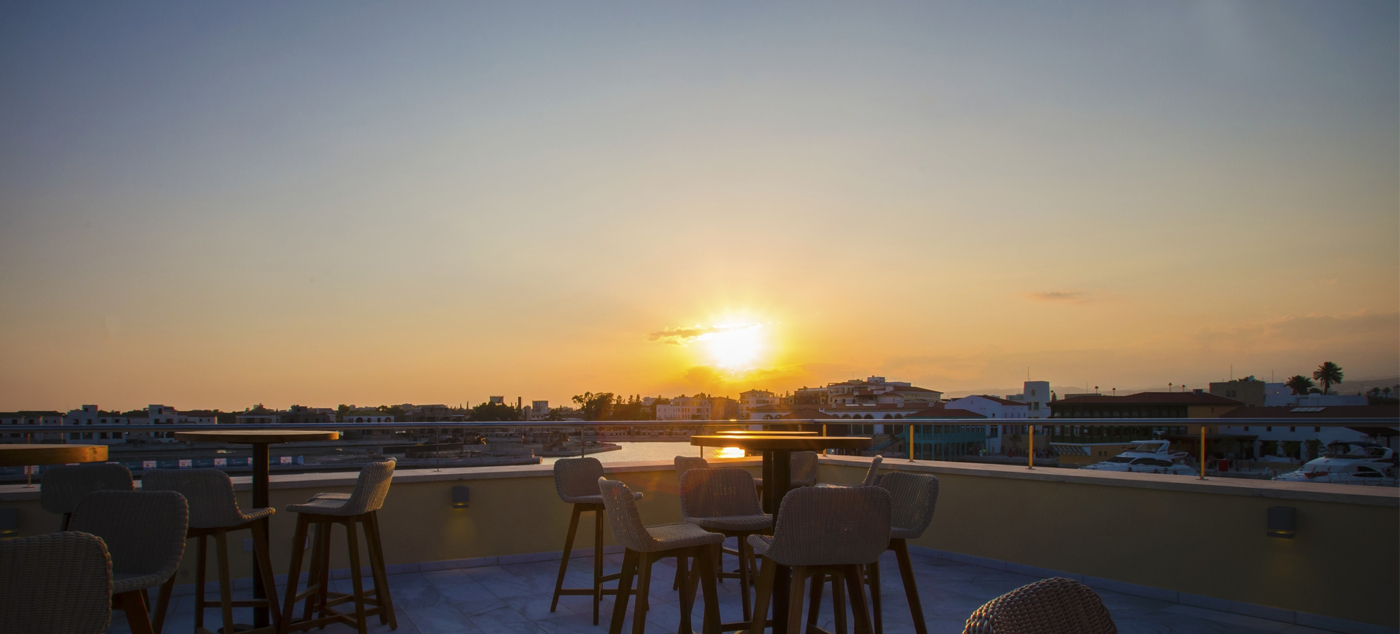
point(995, 408)
point(496, 400)
point(1036, 396)
point(1144, 405)
point(12, 424)
point(698, 407)
point(538, 410)
point(1302, 441)
point(754, 399)
point(1249, 391)
point(302, 415)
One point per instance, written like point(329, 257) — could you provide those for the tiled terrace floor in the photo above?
point(515, 598)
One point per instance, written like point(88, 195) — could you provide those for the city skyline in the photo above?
point(220, 206)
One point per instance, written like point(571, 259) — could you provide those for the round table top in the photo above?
point(257, 436)
point(796, 443)
point(37, 454)
point(750, 432)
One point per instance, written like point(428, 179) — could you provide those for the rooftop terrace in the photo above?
point(1166, 553)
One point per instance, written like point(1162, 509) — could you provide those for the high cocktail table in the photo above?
point(259, 439)
point(37, 454)
point(777, 479)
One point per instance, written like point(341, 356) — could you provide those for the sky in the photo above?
point(211, 206)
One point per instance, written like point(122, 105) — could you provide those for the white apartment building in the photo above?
point(12, 424)
point(685, 408)
point(754, 399)
point(1036, 396)
point(996, 408)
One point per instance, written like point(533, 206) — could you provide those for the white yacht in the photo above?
point(1349, 463)
point(1146, 456)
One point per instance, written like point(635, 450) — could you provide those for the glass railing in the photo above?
point(1055, 443)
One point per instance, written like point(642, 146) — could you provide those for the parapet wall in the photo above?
point(1176, 534)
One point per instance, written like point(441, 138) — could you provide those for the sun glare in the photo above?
point(730, 452)
point(735, 347)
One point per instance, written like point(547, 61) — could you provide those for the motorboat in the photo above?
point(1146, 456)
point(1349, 463)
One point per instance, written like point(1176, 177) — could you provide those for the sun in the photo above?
point(735, 347)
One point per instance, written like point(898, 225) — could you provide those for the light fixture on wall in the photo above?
point(460, 497)
point(1282, 521)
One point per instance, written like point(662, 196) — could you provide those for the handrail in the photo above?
point(907, 423)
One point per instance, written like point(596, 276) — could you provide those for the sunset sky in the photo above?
point(213, 205)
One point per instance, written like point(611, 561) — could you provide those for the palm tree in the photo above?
point(1299, 384)
point(1327, 374)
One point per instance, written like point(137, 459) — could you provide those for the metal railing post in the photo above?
point(1203, 452)
point(1030, 453)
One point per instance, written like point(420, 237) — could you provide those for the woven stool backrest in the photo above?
point(835, 526)
point(686, 463)
point(718, 493)
point(64, 485)
point(804, 468)
point(1049, 606)
point(144, 530)
point(626, 522)
point(914, 496)
point(209, 493)
point(59, 582)
point(370, 488)
point(577, 477)
point(873, 474)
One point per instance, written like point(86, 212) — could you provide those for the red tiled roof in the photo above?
point(1325, 411)
point(999, 400)
point(1148, 398)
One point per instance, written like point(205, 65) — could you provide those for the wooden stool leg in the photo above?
point(381, 576)
point(859, 611)
point(294, 572)
point(873, 572)
point(911, 588)
point(564, 561)
point(313, 574)
point(814, 604)
point(639, 614)
point(799, 580)
point(351, 536)
point(262, 553)
point(745, 599)
point(225, 584)
point(597, 561)
point(763, 596)
point(162, 604)
point(323, 574)
point(711, 622)
point(624, 590)
point(838, 603)
point(134, 605)
point(687, 589)
point(199, 573)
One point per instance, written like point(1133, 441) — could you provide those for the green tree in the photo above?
point(494, 411)
point(594, 406)
point(1299, 384)
point(1328, 374)
point(341, 412)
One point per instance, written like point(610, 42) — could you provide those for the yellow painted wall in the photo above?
point(1344, 562)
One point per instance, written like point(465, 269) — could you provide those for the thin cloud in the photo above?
point(1064, 297)
point(687, 334)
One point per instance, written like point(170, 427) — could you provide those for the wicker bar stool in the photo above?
point(872, 475)
point(1049, 606)
point(145, 536)
point(214, 513)
point(725, 501)
point(323, 511)
point(686, 463)
point(576, 482)
point(915, 495)
point(822, 531)
point(63, 486)
point(645, 545)
point(59, 582)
